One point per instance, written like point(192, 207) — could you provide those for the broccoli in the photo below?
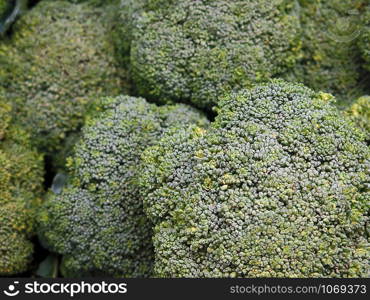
point(21, 177)
point(96, 222)
point(330, 56)
point(276, 187)
point(125, 17)
point(192, 51)
point(58, 59)
point(359, 111)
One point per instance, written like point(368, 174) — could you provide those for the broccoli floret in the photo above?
point(126, 19)
point(59, 58)
point(330, 56)
point(97, 222)
point(21, 177)
point(15, 246)
point(192, 51)
point(359, 112)
point(277, 187)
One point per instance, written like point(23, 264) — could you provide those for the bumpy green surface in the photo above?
point(21, 179)
point(330, 56)
point(196, 50)
point(126, 15)
point(97, 222)
point(277, 187)
point(359, 111)
point(59, 58)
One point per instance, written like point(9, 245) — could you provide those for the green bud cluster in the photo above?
point(329, 62)
point(97, 221)
point(193, 51)
point(21, 177)
point(59, 58)
point(278, 186)
point(359, 112)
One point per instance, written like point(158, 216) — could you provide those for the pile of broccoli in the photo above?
point(193, 138)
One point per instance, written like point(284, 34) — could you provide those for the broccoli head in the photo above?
point(21, 177)
point(330, 56)
point(97, 222)
point(58, 59)
point(192, 51)
point(359, 111)
point(276, 187)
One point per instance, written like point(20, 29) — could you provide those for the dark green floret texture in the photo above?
point(278, 186)
point(21, 177)
point(359, 112)
point(59, 59)
point(97, 221)
point(193, 51)
point(185, 138)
